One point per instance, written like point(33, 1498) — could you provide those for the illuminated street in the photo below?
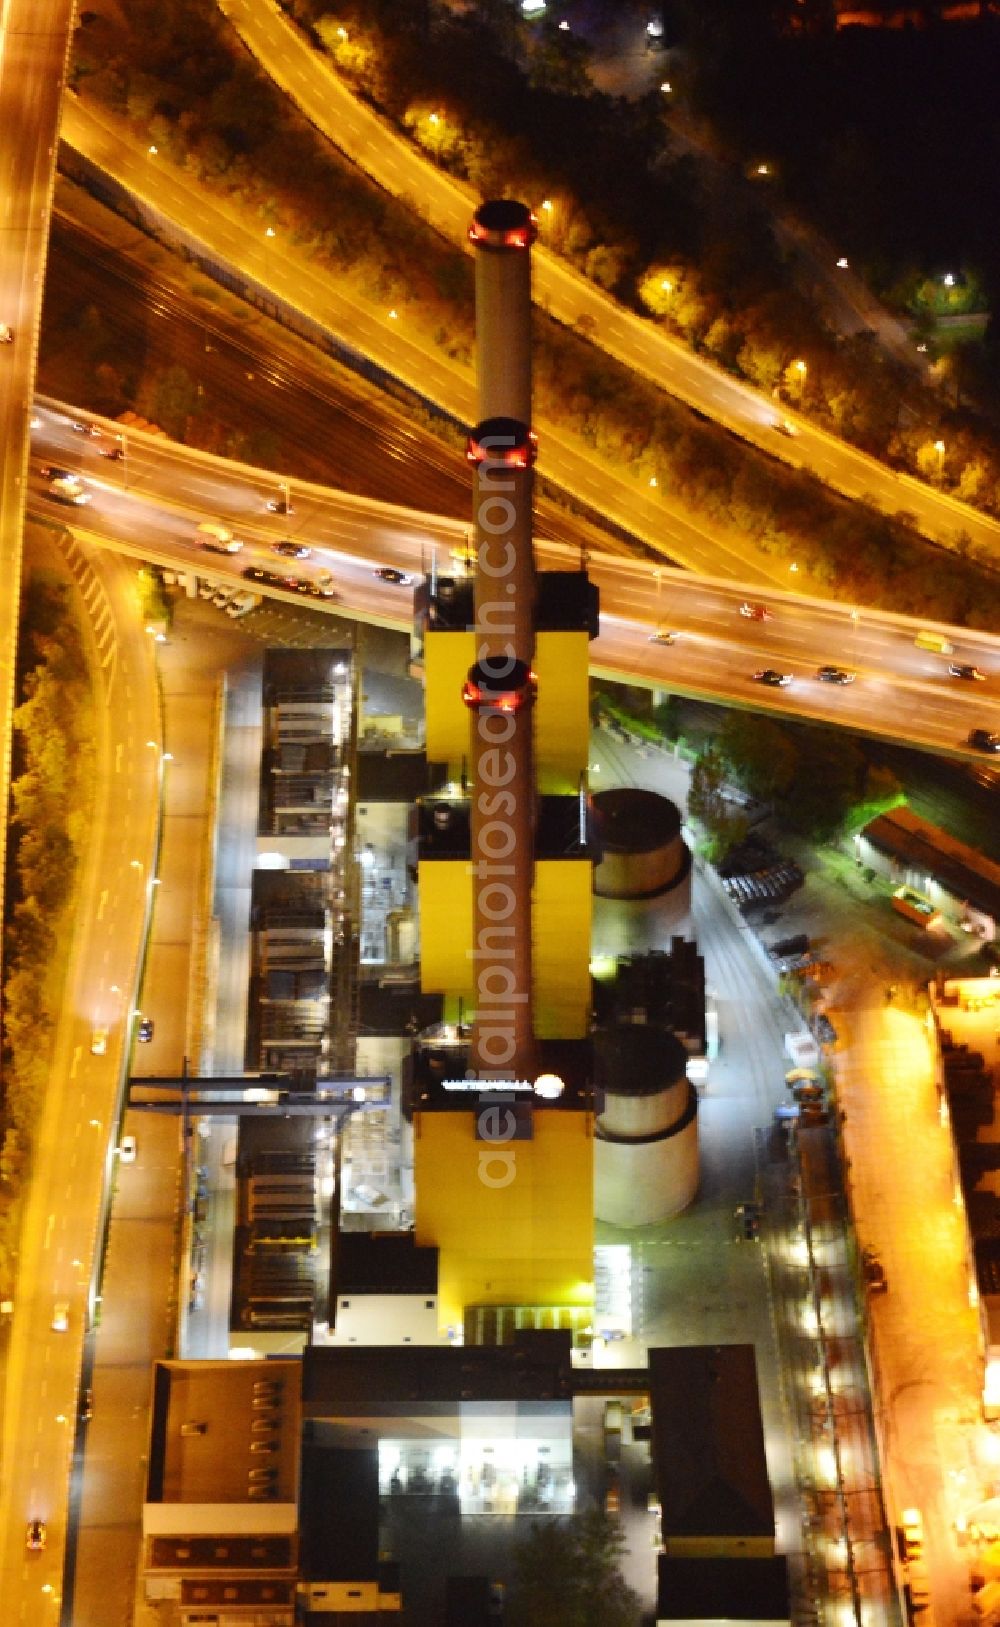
point(925, 1341)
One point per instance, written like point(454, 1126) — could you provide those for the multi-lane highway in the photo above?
point(377, 147)
point(34, 39)
point(75, 1136)
point(151, 501)
point(216, 231)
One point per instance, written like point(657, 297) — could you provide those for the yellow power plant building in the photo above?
point(504, 1177)
point(501, 1090)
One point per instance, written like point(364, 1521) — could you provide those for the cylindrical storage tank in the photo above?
point(639, 840)
point(646, 1146)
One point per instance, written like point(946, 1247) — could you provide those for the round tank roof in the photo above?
point(635, 821)
point(503, 215)
point(637, 1059)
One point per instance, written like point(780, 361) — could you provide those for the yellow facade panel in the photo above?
point(513, 1220)
point(447, 659)
point(446, 964)
point(562, 711)
point(562, 905)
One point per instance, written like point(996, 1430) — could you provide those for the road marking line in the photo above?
point(77, 1053)
point(48, 1230)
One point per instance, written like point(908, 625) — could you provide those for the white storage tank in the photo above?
point(642, 853)
point(646, 1146)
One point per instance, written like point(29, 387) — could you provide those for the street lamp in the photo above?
point(940, 449)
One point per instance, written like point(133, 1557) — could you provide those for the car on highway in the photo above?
point(984, 739)
point(311, 590)
point(747, 1217)
point(114, 454)
point(257, 573)
point(662, 635)
point(933, 641)
point(36, 1536)
point(86, 1405)
point(51, 471)
point(961, 669)
point(83, 428)
point(279, 505)
point(6, 334)
point(835, 675)
point(127, 1150)
point(291, 584)
point(613, 1497)
point(291, 550)
point(60, 1316)
point(755, 612)
point(98, 1041)
point(773, 678)
point(389, 573)
point(145, 1031)
point(69, 490)
point(784, 426)
point(218, 539)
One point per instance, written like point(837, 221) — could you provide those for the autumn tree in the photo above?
point(568, 1575)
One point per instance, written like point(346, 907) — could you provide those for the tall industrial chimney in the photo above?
point(499, 690)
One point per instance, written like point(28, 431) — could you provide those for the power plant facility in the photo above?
point(501, 1091)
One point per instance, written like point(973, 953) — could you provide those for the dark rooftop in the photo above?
point(967, 874)
point(339, 1513)
point(384, 1263)
point(708, 1442)
point(396, 776)
point(722, 1589)
point(369, 1381)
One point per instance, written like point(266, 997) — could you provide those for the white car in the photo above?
point(67, 489)
point(126, 1151)
point(99, 1041)
point(218, 539)
point(60, 1316)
